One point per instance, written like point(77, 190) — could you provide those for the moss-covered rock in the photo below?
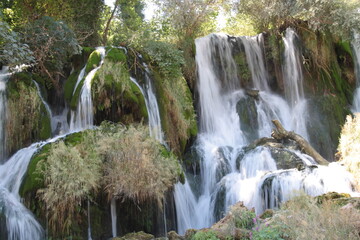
point(177, 112)
point(133, 215)
point(93, 61)
point(27, 118)
point(115, 96)
point(328, 113)
point(136, 236)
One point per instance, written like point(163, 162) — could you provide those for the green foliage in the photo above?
point(52, 43)
point(263, 232)
point(243, 218)
point(83, 16)
point(12, 51)
point(340, 17)
point(205, 235)
point(167, 56)
point(349, 146)
point(188, 19)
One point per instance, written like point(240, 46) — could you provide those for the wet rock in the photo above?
point(285, 159)
point(222, 157)
point(246, 109)
point(254, 93)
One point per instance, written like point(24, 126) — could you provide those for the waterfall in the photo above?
point(47, 107)
point(20, 222)
point(255, 60)
point(82, 118)
point(3, 78)
point(152, 106)
point(356, 53)
point(293, 83)
point(113, 217)
point(228, 173)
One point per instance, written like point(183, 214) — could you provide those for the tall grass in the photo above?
point(304, 218)
point(137, 166)
point(71, 174)
point(349, 146)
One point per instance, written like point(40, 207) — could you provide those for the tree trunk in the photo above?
point(280, 133)
point(107, 27)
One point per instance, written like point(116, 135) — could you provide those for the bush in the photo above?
point(349, 146)
point(167, 57)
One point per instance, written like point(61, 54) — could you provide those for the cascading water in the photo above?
point(228, 173)
point(255, 61)
point(151, 106)
point(82, 118)
point(3, 79)
point(356, 51)
point(293, 84)
point(20, 222)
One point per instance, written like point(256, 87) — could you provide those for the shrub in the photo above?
point(349, 146)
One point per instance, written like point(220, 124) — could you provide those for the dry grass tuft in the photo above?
point(137, 166)
point(303, 218)
point(70, 176)
point(349, 146)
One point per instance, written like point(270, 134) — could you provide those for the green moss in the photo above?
point(116, 55)
point(69, 86)
point(75, 98)
point(242, 66)
point(93, 61)
point(74, 138)
point(45, 124)
point(33, 179)
point(345, 46)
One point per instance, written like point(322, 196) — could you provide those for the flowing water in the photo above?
point(20, 222)
point(151, 106)
point(3, 78)
point(229, 174)
point(356, 53)
point(82, 118)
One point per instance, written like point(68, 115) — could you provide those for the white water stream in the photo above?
point(82, 118)
point(3, 78)
point(257, 181)
point(356, 53)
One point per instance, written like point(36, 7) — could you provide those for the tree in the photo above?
point(82, 16)
point(12, 51)
point(189, 19)
point(52, 43)
point(125, 23)
point(340, 17)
